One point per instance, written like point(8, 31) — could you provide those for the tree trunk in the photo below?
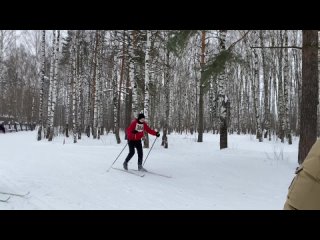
point(255, 90)
point(285, 88)
point(266, 88)
point(240, 103)
point(201, 90)
point(167, 101)
point(100, 92)
point(96, 112)
point(224, 103)
point(146, 87)
point(74, 91)
point(211, 105)
point(54, 88)
point(134, 75)
point(51, 85)
point(80, 83)
point(280, 94)
point(94, 89)
point(129, 86)
point(43, 56)
point(309, 101)
point(120, 85)
point(115, 99)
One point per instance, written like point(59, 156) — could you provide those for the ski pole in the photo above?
point(149, 151)
point(117, 157)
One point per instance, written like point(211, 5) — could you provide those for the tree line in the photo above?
point(92, 82)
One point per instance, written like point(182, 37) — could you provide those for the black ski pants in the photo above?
point(138, 146)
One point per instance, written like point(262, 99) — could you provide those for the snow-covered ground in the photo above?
point(247, 175)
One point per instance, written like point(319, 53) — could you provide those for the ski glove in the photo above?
point(134, 131)
point(158, 134)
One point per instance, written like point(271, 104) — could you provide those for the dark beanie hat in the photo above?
point(141, 115)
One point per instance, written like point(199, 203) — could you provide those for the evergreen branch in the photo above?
point(178, 42)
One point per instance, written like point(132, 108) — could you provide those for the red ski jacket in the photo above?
point(140, 127)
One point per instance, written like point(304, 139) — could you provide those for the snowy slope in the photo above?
point(247, 175)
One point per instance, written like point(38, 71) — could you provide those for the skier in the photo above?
point(135, 133)
point(304, 190)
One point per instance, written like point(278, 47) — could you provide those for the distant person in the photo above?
point(135, 132)
point(304, 190)
point(2, 129)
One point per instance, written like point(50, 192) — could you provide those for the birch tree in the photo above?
point(120, 89)
point(51, 87)
point(100, 92)
point(115, 99)
point(54, 87)
point(223, 100)
point(167, 100)
point(51, 76)
point(255, 90)
point(43, 42)
point(94, 99)
point(201, 87)
point(280, 92)
point(129, 82)
point(80, 80)
point(286, 89)
point(74, 90)
point(146, 86)
point(266, 87)
point(133, 74)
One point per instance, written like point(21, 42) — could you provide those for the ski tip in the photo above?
point(5, 200)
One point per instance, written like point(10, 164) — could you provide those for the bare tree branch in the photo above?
point(296, 47)
point(233, 44)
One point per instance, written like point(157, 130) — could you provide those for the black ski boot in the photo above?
point(125, 165)
point(142, 169)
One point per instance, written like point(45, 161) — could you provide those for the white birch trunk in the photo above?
point(146, 77)
point(146, 86)
point(167, 100)
point(54, 87)
point(255, 90)
point(68, 91)
point(51, 85)
point(132, 69)
point(100, 107)
point(286, 89)
point(201, 87)
point(96, 96)
point(222, 98)
point(80, 83)
point(43, 43)
point(266, 88)
point(74, 93)
point(281, 94)
point(95, 88)
point(115, 97)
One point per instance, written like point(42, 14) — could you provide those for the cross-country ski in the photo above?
point(4, 199)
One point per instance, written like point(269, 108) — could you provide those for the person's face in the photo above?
point(142, 120)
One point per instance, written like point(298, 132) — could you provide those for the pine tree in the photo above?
point(310, 87)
